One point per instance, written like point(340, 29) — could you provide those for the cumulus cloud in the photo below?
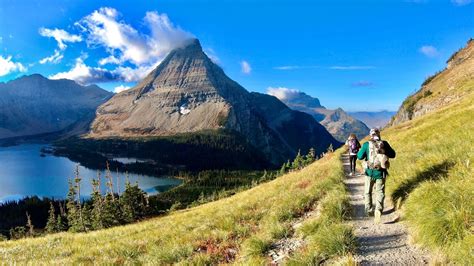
point(429, 51)
point(121, 88)
point(461, 2)
point(7, 66)
point(363, 83)
point(126, 44)
point(84, 74)
point(61, 36)
point(283, 93)
point(245, 67)
point(351, 67)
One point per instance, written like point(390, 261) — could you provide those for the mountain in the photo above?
point(373, 119)
point(443, 88)
point(337, 122)
point(33, 105)
point(188, 93)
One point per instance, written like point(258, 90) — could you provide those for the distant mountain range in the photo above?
point(33, 105)
point(188, 93)
point(374, 119)
point(337, 122)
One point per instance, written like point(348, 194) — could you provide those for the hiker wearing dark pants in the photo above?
point(353, 146)
point(376, 153)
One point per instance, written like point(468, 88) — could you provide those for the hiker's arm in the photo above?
point(389, 151)
point(362, 154)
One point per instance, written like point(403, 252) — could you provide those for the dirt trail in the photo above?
point(385, 243)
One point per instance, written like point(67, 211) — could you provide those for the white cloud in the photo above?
point(351, 67)
point(283, 93)
point(429, 51)
point(7, 66)
point(294, 67)
point(61, 37)
point(84, 74)
point(55, 58)
point(121, 88)
point(245, 67)
point(461, 2)
point(104, 28)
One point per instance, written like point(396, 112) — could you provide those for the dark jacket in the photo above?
point(363, 154)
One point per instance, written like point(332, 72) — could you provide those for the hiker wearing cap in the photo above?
point(375, 154)
point(353, 145)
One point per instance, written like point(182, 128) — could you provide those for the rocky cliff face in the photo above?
point(34, 105)
point(187, 92)
point(337, 122)
point(443, 88)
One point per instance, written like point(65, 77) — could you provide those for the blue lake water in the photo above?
point(23, 172)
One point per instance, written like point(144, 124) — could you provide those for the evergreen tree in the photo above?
point(52, 223)
point(298, 162)
point(283, 169)
point(311, 156)
point(73, 219)
point(330, 148)
point(61, 219)
point(97, 204)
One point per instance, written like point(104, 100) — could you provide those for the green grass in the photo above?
point(433, 178)
point(238, 229)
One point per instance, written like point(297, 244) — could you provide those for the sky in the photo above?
point(358, 55)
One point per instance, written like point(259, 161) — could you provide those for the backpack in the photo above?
point(353, 147)
point(377, 159)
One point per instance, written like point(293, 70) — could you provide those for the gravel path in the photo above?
point(379, 244)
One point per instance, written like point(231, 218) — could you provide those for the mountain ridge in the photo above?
point(187, 93)
point(33, 104)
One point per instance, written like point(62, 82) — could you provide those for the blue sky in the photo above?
point(358, 55)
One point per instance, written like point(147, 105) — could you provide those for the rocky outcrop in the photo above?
point(33, 105)
point(442, 88)
point(187, 93)
point(337, 122)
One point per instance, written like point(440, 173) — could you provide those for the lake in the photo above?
point(24, 172)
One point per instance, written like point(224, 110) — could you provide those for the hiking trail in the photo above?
point(384, 243)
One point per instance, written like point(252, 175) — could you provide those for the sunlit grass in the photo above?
point(238, 229)
point(433, 178)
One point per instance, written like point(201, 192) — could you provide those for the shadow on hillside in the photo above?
point(433, 173)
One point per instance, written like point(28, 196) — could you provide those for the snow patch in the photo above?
point(183, 109)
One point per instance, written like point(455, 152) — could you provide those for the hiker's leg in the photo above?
point(380, 193)
point(368, 194)
point(354, 159)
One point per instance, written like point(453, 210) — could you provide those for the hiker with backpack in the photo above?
point(354, 145)
point(376, 153)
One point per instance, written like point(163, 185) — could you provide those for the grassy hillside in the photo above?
point(239, 229)
point(433, 177)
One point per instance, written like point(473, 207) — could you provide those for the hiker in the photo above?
point(354, 145)
point(376, 153)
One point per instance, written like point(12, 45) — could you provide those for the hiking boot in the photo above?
point(377, 216)
point(369, 212)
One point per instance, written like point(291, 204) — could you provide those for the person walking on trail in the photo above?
point(354, 145)
point(376, 153)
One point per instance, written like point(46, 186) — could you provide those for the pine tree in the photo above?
point(29, 226)
point(52, 223)
point(72, 211)
point(61, 219)
point(298, 162)
point(311, 156)
point(283, 169)
point(97, 204)
point(330, 148)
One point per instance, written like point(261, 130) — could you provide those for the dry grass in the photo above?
point(236, 229)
